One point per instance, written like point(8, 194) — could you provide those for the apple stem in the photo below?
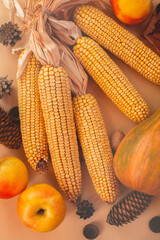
point(40, 211)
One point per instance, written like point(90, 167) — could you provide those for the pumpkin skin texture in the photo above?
point(137, 159)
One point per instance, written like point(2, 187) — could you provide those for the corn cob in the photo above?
point(119, 41)
point(111, 79)
point(31, 119)
point(55, 96)
point(96, 147)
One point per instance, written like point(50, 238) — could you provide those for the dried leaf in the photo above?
point(66, 31)
point(66, 7)
point(47, 37)
point(77, 75)
point(22, 62)
point(15, 8)
point(152, 30)
point(23, 43)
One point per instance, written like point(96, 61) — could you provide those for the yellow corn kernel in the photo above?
point(34, 137)
point(119, 41)
point(96, 147)
point(111, 79)
point(55, 96)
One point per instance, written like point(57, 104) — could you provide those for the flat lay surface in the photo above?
point(72, 227)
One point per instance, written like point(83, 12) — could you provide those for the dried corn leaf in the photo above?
point(15, 8)
point(48, 36)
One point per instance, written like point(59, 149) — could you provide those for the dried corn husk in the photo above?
point(44, 34)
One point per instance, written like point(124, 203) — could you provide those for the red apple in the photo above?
point(13, 177)
point(131, 12)
point(41, 207)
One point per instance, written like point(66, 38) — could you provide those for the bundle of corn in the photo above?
point(96, 147)
point(45, 103)
point(55, 97)
point(111, 79)
point(10, 135)
point(119, 41)
point(31, 119)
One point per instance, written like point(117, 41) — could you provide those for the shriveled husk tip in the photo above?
point(47, 31)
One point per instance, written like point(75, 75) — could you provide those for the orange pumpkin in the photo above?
point(137, 159)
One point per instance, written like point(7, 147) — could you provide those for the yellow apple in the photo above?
point(13, 177)
point(133, 11)
point(41, 207)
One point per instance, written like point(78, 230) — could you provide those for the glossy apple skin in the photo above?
point(13, 177)
point(131, 12)
point(41, 207)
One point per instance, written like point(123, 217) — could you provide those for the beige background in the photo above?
point(71, 228)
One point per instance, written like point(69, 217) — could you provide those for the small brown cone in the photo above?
point(5, 86)
point(128, 208)
point(10, 135)
point(85, 209)
point(9, 34)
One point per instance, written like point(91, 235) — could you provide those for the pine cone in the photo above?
point(128, 208)
point(14, 114)
point(10, 135)
point(9, 34)
point(85, 209)
point(5, 86)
